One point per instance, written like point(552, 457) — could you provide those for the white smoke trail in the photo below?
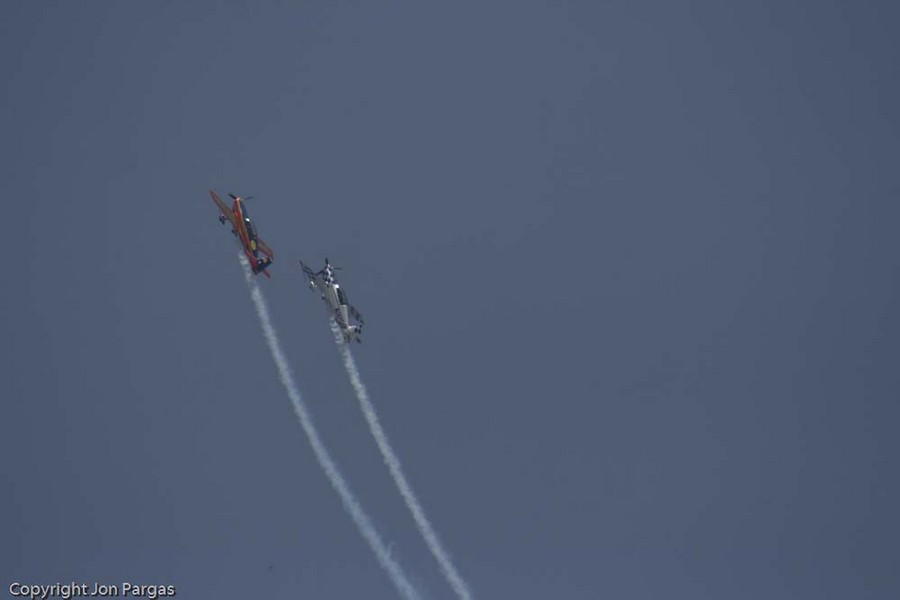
point(351, 504)
point(393, 463)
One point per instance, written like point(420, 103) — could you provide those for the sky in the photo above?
point(628, 269)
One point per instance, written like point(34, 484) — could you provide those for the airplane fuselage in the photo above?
point(244, 229)
point(336, 304)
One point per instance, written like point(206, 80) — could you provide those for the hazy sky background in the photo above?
point(629, 273)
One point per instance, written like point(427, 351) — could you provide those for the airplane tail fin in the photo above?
point(261, 265)
point(351, 332)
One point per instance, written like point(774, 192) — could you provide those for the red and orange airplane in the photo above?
point(243, 228)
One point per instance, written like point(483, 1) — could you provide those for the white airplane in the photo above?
point(335, 299)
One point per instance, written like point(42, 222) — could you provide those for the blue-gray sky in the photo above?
point(629, 273)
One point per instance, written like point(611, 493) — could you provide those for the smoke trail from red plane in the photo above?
point(351, 504)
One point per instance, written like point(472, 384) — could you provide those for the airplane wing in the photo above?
point(310, 274)
point(264, 248)
point(223, 208)
point(355, 314)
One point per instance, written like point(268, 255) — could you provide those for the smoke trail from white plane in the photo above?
point(393, 463)
point(351, 504)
